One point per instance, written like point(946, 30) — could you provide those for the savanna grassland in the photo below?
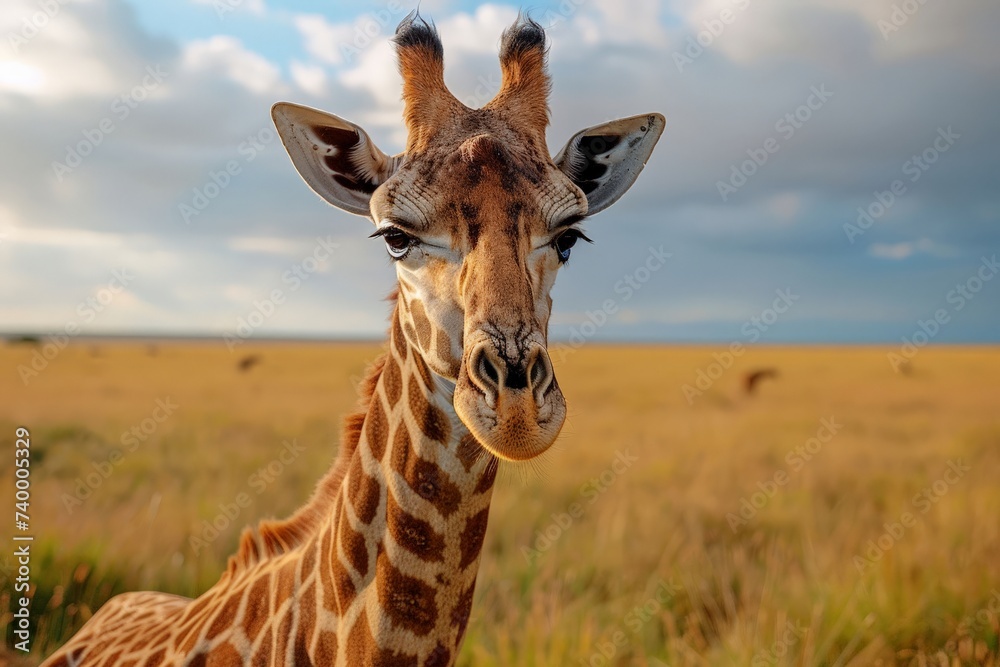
point(845, 514)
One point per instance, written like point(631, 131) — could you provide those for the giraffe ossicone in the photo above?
point(379, 567)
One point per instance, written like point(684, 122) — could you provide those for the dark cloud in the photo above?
point(784, 228)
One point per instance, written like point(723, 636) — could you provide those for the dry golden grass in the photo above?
point(656, 537)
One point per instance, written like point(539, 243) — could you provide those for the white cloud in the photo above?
point(310, 78)
point(270, 245)
point(323, 40)
point(52, 55)
point(226, 55)
point(632, 21)
point(833, 32)
point(18, 77)
point(224, 7)
point(479, 32)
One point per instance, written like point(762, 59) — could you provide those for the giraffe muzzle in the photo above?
point(513, 406)
point(494, 374)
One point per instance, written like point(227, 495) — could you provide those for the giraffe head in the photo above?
point(478, 218)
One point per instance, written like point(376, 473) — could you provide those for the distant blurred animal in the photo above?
point(752, 378)
point(248, 362)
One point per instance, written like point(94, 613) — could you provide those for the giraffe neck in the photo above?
point(400, 552)
point(379, 568)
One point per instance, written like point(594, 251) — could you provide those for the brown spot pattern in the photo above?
point(407, 602)
point(415, 535)
point(472, 537)
point(392, 380)
point(364, 492)
point(281, 633)
point(362, 649)
point(156, 659)
point(354, 546)
point(326, 648)
point(433, 422)
point(425, 374)
point(257, 610)
point(398, 339)
point(489, 477)
point(426, 479)
point(460, 614)
point(469, 450)
point(423, 325)
point(439, 657)
point(377, 429)
point(224, 656)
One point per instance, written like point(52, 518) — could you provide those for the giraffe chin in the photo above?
point(518, 428)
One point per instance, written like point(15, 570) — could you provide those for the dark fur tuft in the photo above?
point(525, 35)
point(415, 32)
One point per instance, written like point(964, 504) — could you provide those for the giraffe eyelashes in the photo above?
point(564, 243)
point(397, 242)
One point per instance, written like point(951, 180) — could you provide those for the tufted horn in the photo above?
point(426, 97)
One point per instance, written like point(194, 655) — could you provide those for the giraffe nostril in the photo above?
point(540, 374)
point(488, 369)
point(485, 373)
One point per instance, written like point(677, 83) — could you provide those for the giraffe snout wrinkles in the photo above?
point(495, 373)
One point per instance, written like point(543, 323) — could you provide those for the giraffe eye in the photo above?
point(565, 242)
point(397, 242)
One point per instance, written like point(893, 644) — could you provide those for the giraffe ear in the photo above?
point(334, 156)
point(605, 160)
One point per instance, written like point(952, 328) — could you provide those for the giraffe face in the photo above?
point(478, 218)
point(478, 225)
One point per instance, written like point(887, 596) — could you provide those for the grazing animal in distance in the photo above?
point(379, 567)
point(753, 378)
point(248, 362)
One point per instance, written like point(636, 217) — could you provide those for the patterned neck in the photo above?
point(378, 568)
point(404, 538)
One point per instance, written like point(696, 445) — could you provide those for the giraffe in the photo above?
point(379, 567)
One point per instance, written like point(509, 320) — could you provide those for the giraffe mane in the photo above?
point(271, 538)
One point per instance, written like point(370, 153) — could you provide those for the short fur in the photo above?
point(425, 95)
point(524, 94)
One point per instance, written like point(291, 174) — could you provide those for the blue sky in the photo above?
point(784, 118)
